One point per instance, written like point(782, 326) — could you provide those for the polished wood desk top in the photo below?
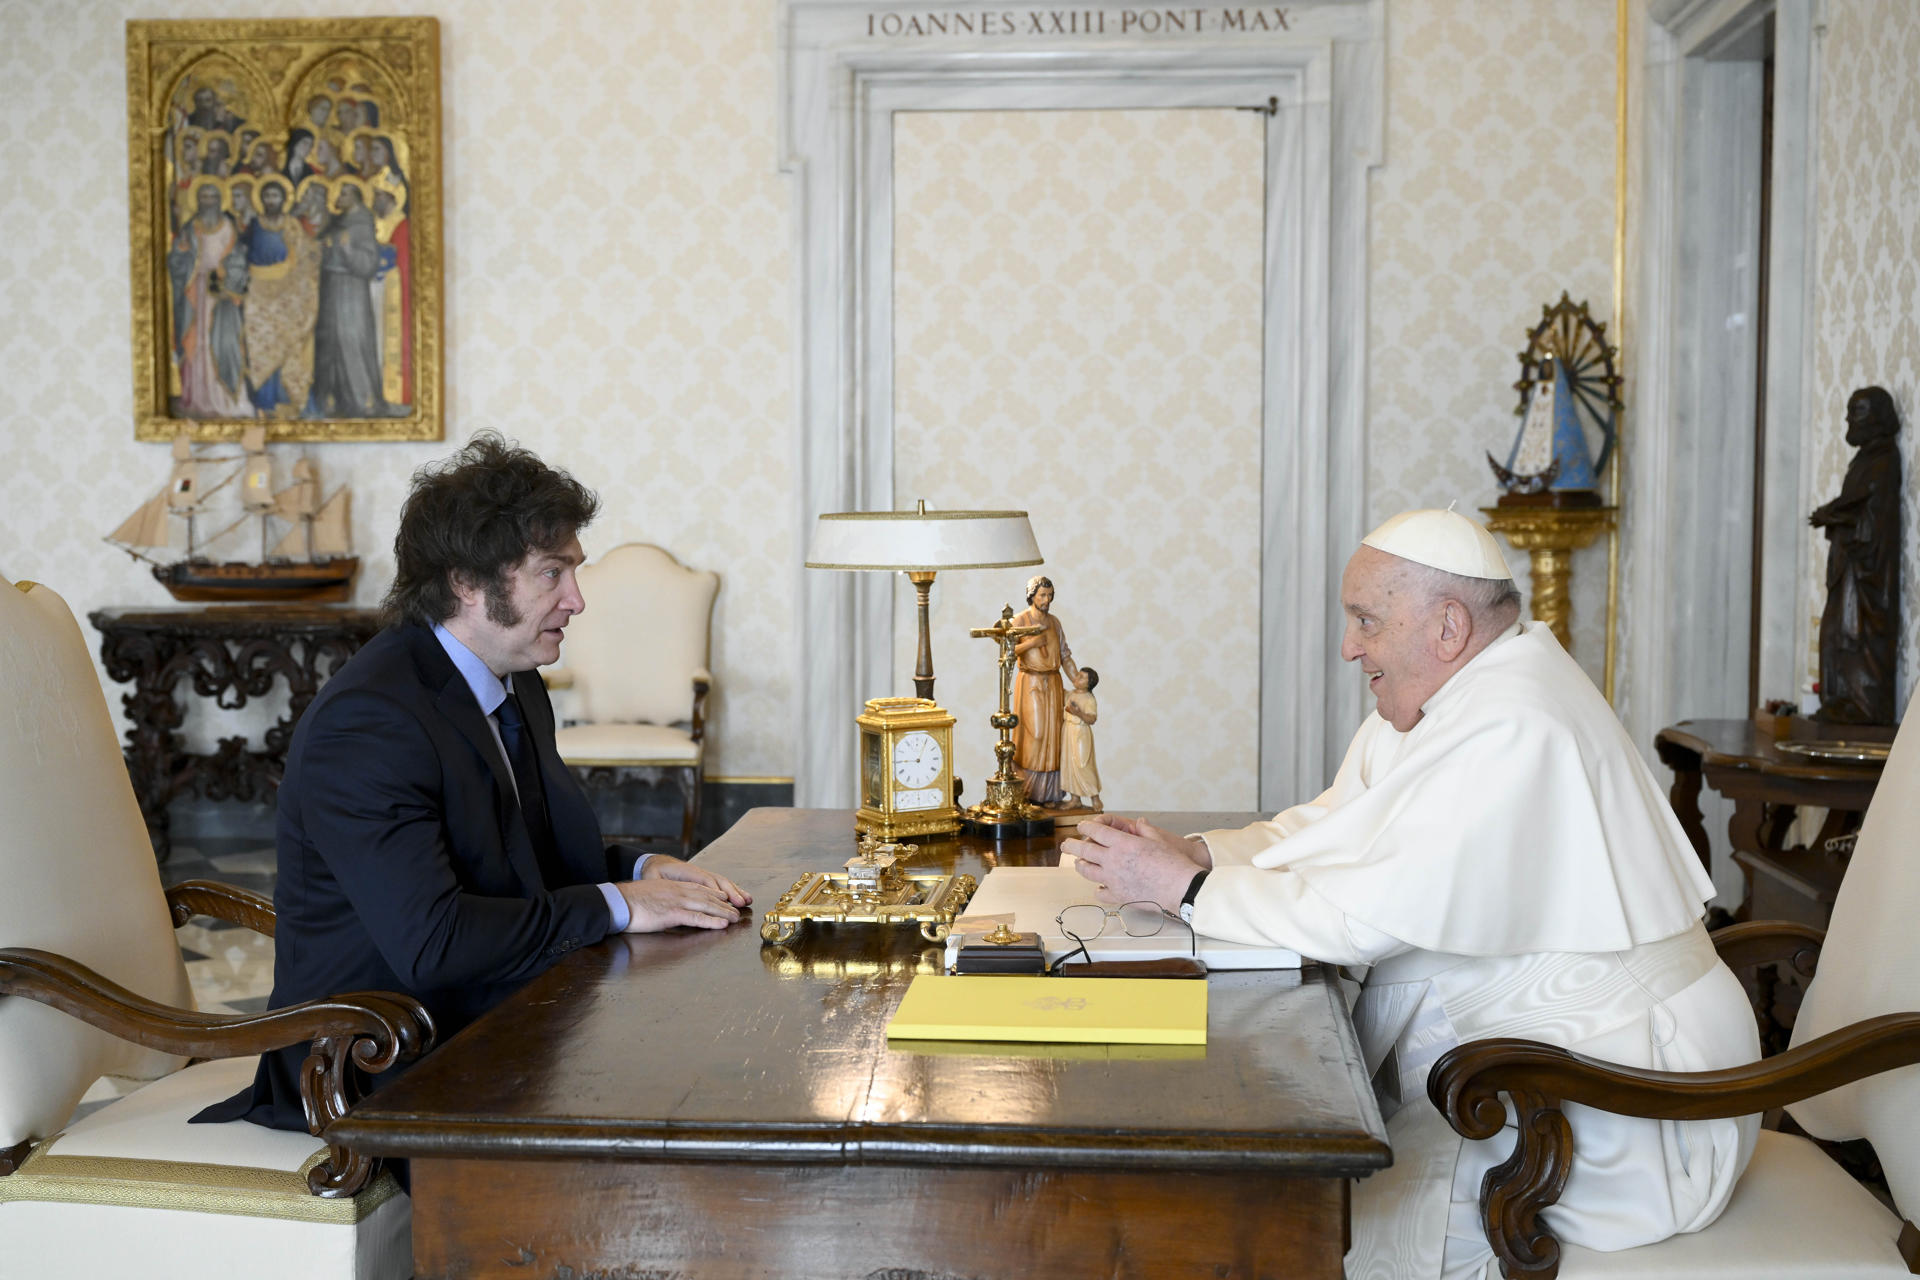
point(1740, 745)
point(698, 1046)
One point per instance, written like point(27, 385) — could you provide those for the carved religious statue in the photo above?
point(1860, 628)
point(1039, 695)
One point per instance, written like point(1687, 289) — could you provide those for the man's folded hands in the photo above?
point(671, 893)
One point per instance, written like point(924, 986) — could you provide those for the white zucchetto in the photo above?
point(1443, 540)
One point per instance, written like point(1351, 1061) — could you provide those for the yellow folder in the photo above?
point(1029, 1007)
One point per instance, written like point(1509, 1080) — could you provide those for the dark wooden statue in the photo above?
point(1860, 629)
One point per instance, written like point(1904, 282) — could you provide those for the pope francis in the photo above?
point(1496, 860)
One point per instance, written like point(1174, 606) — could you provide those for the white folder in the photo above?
point(1033, 896)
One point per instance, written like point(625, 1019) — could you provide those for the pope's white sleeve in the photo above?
point(1237, 846)
point(1272, 906)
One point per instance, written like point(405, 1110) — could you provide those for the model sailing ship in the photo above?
point(311, 562)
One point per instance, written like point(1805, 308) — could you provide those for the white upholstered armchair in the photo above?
point(92, 984)
point(633, 681)
point(1849, 1073)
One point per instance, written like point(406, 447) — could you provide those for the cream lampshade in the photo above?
point(919, 544)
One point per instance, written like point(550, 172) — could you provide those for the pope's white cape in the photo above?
point(1515, 817)
point(1508, 867)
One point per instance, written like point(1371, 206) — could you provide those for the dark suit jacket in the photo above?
point(404, 862)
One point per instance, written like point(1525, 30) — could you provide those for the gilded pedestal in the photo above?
point(1550, 536)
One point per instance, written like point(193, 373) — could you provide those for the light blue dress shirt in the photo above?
point(489, 690)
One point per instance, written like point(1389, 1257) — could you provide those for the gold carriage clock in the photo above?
point(906, 769)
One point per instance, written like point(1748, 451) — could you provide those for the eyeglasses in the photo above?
point(1086, 921)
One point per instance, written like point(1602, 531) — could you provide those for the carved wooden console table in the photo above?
point(227, 653)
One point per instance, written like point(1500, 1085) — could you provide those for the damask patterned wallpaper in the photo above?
point(1497, 194)
point(1077, 335)
point(619, 294)
point(618, 299)
point(1867, 294)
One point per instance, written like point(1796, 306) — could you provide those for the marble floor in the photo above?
point(230, 967)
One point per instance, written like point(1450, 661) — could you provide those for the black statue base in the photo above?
point(1011, 829)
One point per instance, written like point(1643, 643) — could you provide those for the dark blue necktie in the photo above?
point(526, 779)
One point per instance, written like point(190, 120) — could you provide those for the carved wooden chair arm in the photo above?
point(370, 1030)
point(702, 685)
point(1758, 942)
point(226, 902)
point(1466, 1084)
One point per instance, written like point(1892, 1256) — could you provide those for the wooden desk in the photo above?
point(696, 1104)
point(1766, 786)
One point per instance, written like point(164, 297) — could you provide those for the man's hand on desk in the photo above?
point(1130, 860)
point(671, 892)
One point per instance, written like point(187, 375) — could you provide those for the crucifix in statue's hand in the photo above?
point(1006, 800)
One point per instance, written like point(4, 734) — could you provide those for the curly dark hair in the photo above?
point(475, 516)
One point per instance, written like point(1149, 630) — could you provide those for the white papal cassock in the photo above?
point(1508, 867)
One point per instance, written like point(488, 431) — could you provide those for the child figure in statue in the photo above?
point(1079, 775)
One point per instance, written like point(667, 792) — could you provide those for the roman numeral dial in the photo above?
point(917, 759)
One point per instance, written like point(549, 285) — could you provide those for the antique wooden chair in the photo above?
point(633, 680)
point(92, 984)
point(1849, 1073)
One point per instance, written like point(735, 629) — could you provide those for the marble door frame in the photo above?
point(1678, 545)
point(840, 89)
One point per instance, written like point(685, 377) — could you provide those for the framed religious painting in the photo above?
point(284, 181)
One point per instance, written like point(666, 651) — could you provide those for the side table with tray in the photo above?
point(1770, 772)
point(1772, 769)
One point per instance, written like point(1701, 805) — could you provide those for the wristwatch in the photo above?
point(1193, 891)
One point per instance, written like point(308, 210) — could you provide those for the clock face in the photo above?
point(916, 759)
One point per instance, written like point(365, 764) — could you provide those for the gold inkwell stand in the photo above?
point(876, 888)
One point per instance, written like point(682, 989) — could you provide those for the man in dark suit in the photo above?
point(430, 839)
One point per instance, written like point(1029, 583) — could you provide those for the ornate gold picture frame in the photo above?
point(284, 183)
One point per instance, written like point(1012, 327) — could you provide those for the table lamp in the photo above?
point(921, 543)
